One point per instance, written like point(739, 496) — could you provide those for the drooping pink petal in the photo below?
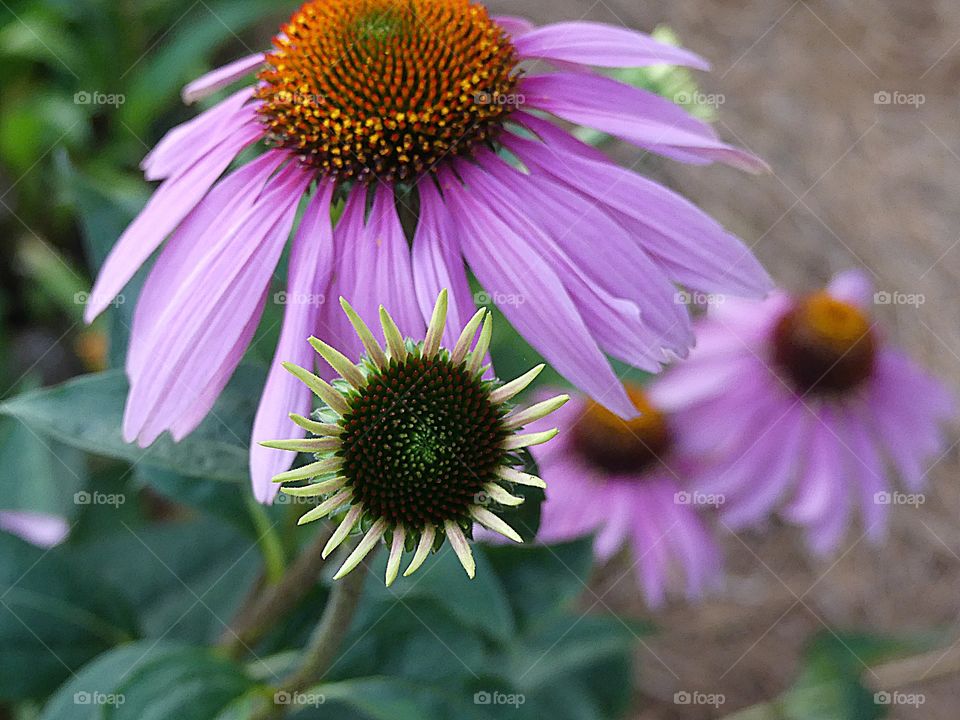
point(39, 529)
point(693, 248)
point(634, 115)
point(437, 264)
point(543, 312)
point(864, 461)
point(210, 310)
point(185, 144)
point(311, 262)
point(615, 506)
point(650, 545)
point(220, 78)
point(230, 198)
point(778, 457)
point(381, 268)
point(170, 204)
point(193, 415)
point(594, 250)
point(592, 43)
point(821, 489)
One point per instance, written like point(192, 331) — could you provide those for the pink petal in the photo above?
point(693, 248)
point(512, 24)
point(437, 264)
point(185, 144)
point(311, 262)
point(230, 198)
point(506, 264)
point(591, 43)
point(170, 204)
point(36, 528)
point(221, 77)
point(210, 310)
point(853, 286)
point(634, 115)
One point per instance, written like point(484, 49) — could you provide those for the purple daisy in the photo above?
point(403, 112)
point(806, 410)
point(623, 480)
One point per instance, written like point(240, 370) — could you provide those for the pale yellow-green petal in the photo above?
point(495, 523)
point(343, 529)
point(515, 387)
point(463, 344)
point(327, 507)
point(339, 362)
point(515, 442)
point(431, 344)
point(461, 547)
point(396, 551)
point(423, 549)
point(370, 344)
point(373, 536)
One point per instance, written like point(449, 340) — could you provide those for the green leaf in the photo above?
point(186, 579)
point(190, 684)
point(480, 604)
point(541, 580)
point(377, 698)
point(56, 472)
point(150, 680)
point(87, 412)
point(54, 617)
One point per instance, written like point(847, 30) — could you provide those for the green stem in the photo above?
point(269, 541)
point(279, 599)
point(324, 645)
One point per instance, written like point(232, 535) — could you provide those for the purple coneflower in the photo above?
point(413, 445)
point(806, 409)
point(624, 481)
point(404, 111)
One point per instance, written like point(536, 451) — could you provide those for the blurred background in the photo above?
point(853, 105)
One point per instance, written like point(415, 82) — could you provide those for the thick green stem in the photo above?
point(278, 600)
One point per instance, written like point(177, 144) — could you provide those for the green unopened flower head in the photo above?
point(413, 445)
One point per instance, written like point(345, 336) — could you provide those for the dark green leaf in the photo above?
point(186, 579)
point(87, 412)
point(54, 617)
